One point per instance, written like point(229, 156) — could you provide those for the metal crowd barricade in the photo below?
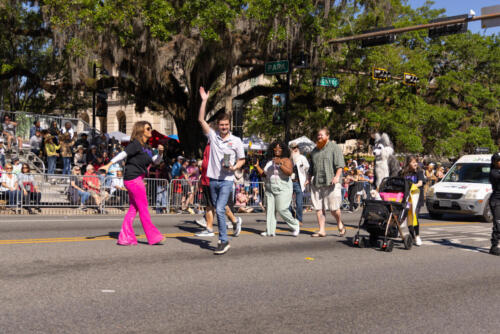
point(157, 193)
point(73, 195)
point(186, 196)
point(54, 194)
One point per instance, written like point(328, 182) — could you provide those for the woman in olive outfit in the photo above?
point(279, 188)
point(495, 202)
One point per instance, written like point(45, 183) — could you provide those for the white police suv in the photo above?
point(465, 189)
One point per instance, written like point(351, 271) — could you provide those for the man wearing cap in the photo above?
point(36, 142)
point(226, 155)
point(299, 178)
point(177, 167)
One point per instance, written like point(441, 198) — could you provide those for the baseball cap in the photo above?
point(180, 157)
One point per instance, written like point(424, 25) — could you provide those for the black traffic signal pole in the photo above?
point(413, 28)
point(287, 102)
point(94, 74)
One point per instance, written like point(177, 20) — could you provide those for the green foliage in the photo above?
point(453, 109)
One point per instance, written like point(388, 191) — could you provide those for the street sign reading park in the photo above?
point(276, 67)
point(328, 82)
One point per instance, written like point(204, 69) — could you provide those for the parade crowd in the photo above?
point(81, 157)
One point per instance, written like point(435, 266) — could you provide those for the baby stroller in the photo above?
point(383, 218)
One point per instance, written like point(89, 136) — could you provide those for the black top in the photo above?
point(138, 160)
point(495, 182)
point(415, 177)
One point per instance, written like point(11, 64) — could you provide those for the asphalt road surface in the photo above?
point(66, 275)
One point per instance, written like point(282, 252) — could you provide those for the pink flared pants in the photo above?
point(138, 202)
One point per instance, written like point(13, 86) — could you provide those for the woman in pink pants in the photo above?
point(139, 157)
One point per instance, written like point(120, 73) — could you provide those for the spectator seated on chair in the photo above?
point(76, 192)
point(31, 194)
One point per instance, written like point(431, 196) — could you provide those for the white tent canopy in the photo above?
point(305, 144)
point(254, 143)
point(120, 136)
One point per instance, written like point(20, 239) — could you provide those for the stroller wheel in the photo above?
point(363, 242)
point(390, 246)
point(355, 241)
point(408, 241)
point(380, 244)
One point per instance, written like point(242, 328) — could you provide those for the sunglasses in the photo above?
point(148, 129)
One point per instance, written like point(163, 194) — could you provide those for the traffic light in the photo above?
point(301, 61)
point(378, 40)
point(380, 74)
point(102, 104)
point(448, 29)
point(410, 79)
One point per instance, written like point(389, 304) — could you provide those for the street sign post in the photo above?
point(277, 67)
point(328, 82)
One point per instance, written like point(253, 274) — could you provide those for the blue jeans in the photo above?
point(51, 161)
point(84, 196)
point(14, 197)
point(161, 198)
point(67, 166)
point(299, 200)
point(220, 191)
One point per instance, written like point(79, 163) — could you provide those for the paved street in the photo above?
point(66, 275)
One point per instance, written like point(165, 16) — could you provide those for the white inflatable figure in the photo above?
point(386, 163)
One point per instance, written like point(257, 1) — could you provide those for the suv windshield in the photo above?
point(472, 173)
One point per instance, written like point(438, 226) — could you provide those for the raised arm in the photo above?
point(201, 116)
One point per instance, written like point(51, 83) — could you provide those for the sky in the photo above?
point(458, 7)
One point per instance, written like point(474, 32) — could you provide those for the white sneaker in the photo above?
point(265, 234)
point(205, 233)
point(201, 222)
point(237, 228)
point(296, 231)
point(418, 241)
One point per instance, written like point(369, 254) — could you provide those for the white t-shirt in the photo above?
point(71, 132)
point(117, 182)
point(232, 145)
point(274, 173)
point(9, 182)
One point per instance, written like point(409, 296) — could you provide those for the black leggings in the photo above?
point(495, 210)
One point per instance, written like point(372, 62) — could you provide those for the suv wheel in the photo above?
point(487, 214)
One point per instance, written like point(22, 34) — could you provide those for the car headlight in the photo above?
point(430, 192)
point(471, 194)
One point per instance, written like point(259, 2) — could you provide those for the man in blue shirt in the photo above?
point(177, 167)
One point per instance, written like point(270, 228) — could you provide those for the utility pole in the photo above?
point(287, 102)
point(94, 75)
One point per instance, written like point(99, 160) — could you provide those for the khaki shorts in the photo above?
point(327, 197)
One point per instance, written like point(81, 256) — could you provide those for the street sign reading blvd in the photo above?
point(328, 82)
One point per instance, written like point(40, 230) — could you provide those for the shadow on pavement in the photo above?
point(203, 244)
point(112, 235)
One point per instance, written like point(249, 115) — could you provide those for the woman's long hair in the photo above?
point(138, 131)
point(285, 151)
point(406, 170)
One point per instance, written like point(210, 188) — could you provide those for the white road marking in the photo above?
point(108, 291)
